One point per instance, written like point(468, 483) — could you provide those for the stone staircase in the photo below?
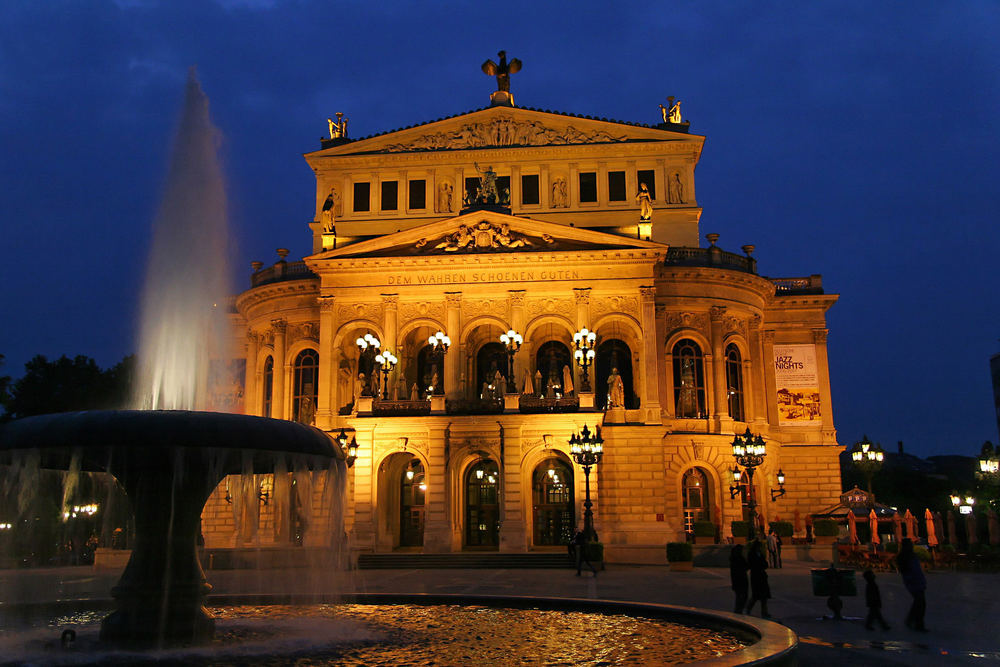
point(464, 560)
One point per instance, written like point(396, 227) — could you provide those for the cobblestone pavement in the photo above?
point(962, 607)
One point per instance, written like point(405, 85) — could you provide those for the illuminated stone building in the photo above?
point(409, 240)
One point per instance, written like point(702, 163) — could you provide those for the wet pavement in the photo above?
point(962, 607)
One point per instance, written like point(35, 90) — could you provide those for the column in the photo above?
point(327, 389)
point(513, 530)
point(515, 315)
point(582, 296)
point(770, 383)
point(278, 391)
point(251, 402)
point(756, 389)
point(437, 527)
point(823, 373)
point(721, 409)
point(651, 358)
point(453, 359)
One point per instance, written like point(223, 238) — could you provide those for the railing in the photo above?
point(401, 408)
point(809, 285)
point(474, 406)
point(281, 271)
point(535, 405)
point(712, 256)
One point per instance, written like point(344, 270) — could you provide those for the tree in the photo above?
point(66, 385)
point(4, 389)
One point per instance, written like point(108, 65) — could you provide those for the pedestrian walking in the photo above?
point(759, 588)
point(774, 548)
point(580, 546)
point(915, 582)
point(873, 600)
point(738, 576)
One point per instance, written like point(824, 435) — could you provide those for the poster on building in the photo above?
point(226, 381)
point(797, 383)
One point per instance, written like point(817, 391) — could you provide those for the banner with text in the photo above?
point(797, 383)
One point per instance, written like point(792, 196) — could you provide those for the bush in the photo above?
point(740, 528)
point(679, 552)
point(825, 528)
point(923, 553)
point(783, 528)
point(704, 529)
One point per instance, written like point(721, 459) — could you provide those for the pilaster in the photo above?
point(250, 390)
point(517, 322)
point(719, 389)
point(280, 327)
point(770, 382)
point(825, 394)
point(453, 359)
point(437, 528)
point(327, 390)
point(651, 360)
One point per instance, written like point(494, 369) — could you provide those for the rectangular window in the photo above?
point(529, 189)
point(588, 186)
point(616, 186)
point(503, 190)
point(390, 195)
point(471, 189)
point(418, 194)
point(647, 176)
point(362, 196)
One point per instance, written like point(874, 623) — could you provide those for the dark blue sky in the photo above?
point(854, 139)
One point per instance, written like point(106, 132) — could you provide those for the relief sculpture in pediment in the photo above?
point(483, 235)
point(503, 131)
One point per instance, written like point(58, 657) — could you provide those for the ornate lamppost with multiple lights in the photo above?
point(369, 345)
point(512, 341)
point(962, 503)
point(587, 450)
point(749, 452)
point(387, 360)
point(584, 340)
point(867, 459)
point(439, 347)
point(350, 449)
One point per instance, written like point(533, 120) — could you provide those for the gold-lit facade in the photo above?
point(513, 219)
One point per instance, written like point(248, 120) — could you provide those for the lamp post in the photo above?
point(386, 360)
point(350, 449)
point(962, 503)
point(584, 354)
point(439, 347)
point(775, 494)
point(587, 450)
point(369, 345)
point(512, 341)
point(867, 458)
point(749, 452)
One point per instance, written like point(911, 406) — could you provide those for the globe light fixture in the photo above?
point(369, 346)
point(386, 360)
point(583, 341)
point(867, 458)
point(439, 343)
point(512, 342)
point(749, 452)
point(587, 450)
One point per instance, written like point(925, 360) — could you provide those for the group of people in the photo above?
point(755, 585)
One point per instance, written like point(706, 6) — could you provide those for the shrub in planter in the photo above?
point(784, 529)
point(704, 529)
point(679, 552)
point(825, 528)
point(923, 553)
point(740, 529)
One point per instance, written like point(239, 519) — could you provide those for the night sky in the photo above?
point(853, 139)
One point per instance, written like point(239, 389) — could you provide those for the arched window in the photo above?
point(612, 354)
point(549, 361)
point(689, 380)
point(552, 492)
point(268, 386)
point(734, 382)
point(491, 358)
point(696, 498)
point(305, 386)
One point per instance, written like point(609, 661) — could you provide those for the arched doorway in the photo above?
point(482, 505)
point(491, 358)
point(614, 353)
point(697, 498)
point(413, 488)
point(552, 499)
point(549, 362)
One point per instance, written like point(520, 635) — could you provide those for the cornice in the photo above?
point(257, 295)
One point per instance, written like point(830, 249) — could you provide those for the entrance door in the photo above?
point(482, 505)
point(411, 509)
point(552, 494)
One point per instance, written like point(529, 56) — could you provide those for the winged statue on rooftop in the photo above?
point(502, 71)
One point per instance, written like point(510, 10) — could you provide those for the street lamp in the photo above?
point(350, 449)
point(386, 360)
point(989, 459)
point(584, 354)
point(369, 345)
point(963, 503)
point(587, 450)
point(749, 452)
point(775, 494)
point(439, 347)
point(512, 341)
point(867, 458)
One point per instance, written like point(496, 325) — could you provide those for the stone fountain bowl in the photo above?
point(169, 462)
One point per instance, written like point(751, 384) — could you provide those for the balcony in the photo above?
point(712, 256)
point(791, 286)
point(280, 272)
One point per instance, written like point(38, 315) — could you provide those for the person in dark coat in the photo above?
point(580, 546)
point(873, 600)
point(916, 584)
point(759, 588)
point(738, 576)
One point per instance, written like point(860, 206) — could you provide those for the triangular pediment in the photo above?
point(488, 232)
point(501, 127)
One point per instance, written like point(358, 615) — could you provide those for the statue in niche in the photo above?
point(486, 393)
point(332, 209)
point(550, 388)
point(675, 189)
point(645, 203)
point(567, 380)
point(414, 392)
point(376, 384)
point(538, 381)
point(560, 195)
point(444, 195)
point(359, 389)
point(499, 384)
point(502, 71)
point(616, 390)
point(435, 388)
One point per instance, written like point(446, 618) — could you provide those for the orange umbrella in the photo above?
point(873, 520)
point(932, 540)
point(911, 525)
point(852, 526)
point(897, 527)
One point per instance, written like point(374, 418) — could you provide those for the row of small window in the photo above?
point(530, 193)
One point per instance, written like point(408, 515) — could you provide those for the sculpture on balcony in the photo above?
point(616, 390)
point(645, 203)
point(567, 380)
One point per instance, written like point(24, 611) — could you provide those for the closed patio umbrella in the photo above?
point(911, 525)
point(852, 526)
point(873, 520)
point(952, 528)
point(932, 540)
point(939, 525)
point(971, 533)
point(994, 527)
point(897, 527)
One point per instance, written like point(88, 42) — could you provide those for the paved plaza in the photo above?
point(963, 608)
